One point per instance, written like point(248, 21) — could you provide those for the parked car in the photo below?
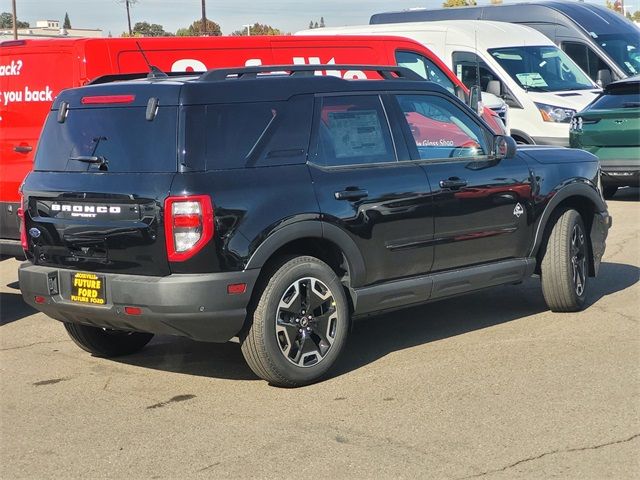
point(40, 69)
point(278, 207)
point(610, 129)
point(543, 87)
point(605, 44)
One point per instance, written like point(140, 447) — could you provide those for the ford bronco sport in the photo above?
point(277, 207)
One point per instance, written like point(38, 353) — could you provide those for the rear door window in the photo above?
point(243, 135)
point(122, 137)
point(353, 130)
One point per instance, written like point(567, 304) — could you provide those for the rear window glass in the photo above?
point(252, 134)
point(621, 97)
point(121, 137)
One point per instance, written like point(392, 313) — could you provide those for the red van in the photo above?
point(33, 72)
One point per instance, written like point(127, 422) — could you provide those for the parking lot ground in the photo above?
point(491, 385)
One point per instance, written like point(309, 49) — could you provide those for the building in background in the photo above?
point(50, 29)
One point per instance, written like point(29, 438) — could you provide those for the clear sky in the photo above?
point(287, 15)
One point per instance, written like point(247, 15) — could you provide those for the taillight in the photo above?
point(23, 226)
point(188, 225)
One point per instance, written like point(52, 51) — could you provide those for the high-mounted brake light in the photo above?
point(100, 99)
point(23, 225)
point(188, 225)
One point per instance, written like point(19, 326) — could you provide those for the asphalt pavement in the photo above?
point(491, 385)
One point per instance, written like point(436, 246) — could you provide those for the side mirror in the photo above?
point(475, 99)
point(494, 87)
point(460, 93)
point(604, 77)
point(503, 147)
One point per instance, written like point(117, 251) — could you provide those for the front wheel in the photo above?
point(299, 325)
point(565, 264)
point(104, 342)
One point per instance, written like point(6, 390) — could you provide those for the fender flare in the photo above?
point(312, 229)
point(578, 189)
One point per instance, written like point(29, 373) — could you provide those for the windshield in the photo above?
point(623, 49)
point(542, 69)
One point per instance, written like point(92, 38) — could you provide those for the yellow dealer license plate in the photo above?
point(87, 288)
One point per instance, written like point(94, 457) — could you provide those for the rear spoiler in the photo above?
point(121, 77)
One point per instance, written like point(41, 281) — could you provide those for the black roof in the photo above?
point(227, 86)
point(593, 18)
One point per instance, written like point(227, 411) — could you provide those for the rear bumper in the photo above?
point(11, 248)
point(621, 175)
point(195, 306)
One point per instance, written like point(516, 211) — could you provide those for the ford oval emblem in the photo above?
point(34, 232)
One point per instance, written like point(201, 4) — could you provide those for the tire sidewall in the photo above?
point(281, 280)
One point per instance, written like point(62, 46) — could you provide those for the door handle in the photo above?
point(22, 149)
point(351, 194)
point(453, 183)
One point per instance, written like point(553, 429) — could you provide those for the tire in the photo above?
point(287, 345)
point(103, 342)
point(609, 191)
point(565, 264)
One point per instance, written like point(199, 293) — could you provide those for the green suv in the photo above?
point(610, 129)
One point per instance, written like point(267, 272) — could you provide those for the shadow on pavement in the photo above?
point(629, 194)
point(375, 337)
point(13, 308)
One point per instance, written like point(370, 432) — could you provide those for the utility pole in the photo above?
point(128, 17)
point(204, 20)
point(15, 20)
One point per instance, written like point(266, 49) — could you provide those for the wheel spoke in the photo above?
point(306, 313)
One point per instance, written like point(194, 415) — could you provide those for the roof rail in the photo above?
point(117, 77)
point(386, 72)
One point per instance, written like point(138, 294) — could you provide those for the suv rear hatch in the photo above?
point(104, 166)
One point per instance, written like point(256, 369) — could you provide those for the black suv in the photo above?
point(277, 207)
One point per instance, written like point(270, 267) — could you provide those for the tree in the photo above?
point(496, 2)
point(258, 29)
point(67, 23)
point(311, 25)
point(145, 29)
point(458, 3)
point(195, 29)
point(321, 22)
point(315, 25)
point(6, 21)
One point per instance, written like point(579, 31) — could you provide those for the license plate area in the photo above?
point(88, 288)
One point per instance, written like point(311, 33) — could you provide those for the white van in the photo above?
point(542, 86)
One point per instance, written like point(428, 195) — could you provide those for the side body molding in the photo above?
point(311, 229)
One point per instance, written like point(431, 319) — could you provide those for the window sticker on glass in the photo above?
point(356, 133)
point(532, 79)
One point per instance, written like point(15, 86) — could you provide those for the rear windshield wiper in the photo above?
point(101, 161)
